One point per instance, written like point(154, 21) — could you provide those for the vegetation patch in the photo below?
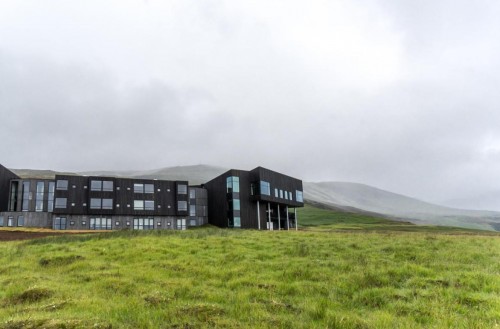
point(60, 260)
point(31, 295)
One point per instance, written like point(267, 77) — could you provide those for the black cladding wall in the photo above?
point(5, 176)
point(79, 194)
point(219, 198)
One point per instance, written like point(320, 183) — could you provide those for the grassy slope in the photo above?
point(318, 278)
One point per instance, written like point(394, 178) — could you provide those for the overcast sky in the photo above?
point(402, 95)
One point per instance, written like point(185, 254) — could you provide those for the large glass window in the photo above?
point(138, 188)
point(299, 196)
point(26, 196)
point(50, 204)
point(60, 223)
point(40, 190)
point(107, 186)
point(96, 185)
point(138, 204)
point(20, 220)
point(143, 224)
point(236, 204)
point(181, 189)
point(181, 205)
point(265, 188)
point(149, 205)
point(61, 203)
point(149, 188)
point(100, 223)
point(233, 184)
point(62, 184)
point(95, 203)
point(107, 203)
point(192, 210)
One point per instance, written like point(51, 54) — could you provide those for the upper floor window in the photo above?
point(233, 184)
point(181, 189)
point(62, 184)
point(138, 204)
point(276, 193)
point(50, 203)
point(40, 190)
point(192, 193)
point(290, 195)
point(144, 188)
point(98, 185)
point(299, 196)
point(181, 205)
point(281, 194)
point(265, 188)
point(26, 196)
point(61, 203)
point(192, 210)
point(107, 185)
point(236, 204)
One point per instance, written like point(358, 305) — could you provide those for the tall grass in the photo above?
point(220, 278)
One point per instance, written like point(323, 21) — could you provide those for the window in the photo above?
point(252, 189)
point(61, 202)
point(96, 185)
point(237, 222)
point(181, 224)
point(100, 223)
point(181, 205)
point(192, 193)
point(265, 188)
point(10, 221)
point(290, 195)
point(1, 221)
point(149, 188)
point(107, 186)
point(107, 203)
point(26, 196)
point(281, 194)
point(299, 196)
point(276, 192)
point(138, 204)
point(181, 189)
point(50, 204)
point(233, 184)
point(95, 203)
point(143, 224)
point(138, 188)
point(20, 220)
point(60, 223)
point(40, 190)
point(149, 205)
point(192, 210)
point(62, 184)
point(236, 204)
point(286, 195)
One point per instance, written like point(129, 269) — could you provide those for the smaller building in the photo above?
point(259, 199)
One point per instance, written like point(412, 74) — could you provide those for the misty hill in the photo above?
point(339, 196)
point(351, 196)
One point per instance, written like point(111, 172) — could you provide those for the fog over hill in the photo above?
point(343, 196)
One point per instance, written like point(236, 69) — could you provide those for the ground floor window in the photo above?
point(10, 221)
point(100, 223)
point(1, 220)
point(143, 224)
point(181, 224)
point(60, 223)
point(20, 220)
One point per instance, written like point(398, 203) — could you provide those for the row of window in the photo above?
point(107, 186)
point(10, 221)
point(96, 223)
point(283, 194)
point(107, 204)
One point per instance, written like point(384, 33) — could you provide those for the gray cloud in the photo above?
point(398, 95)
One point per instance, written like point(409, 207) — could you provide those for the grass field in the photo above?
point(352, 271)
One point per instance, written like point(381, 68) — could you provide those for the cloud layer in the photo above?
point(397, 95)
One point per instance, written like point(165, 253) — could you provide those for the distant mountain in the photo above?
point(38, 173)
point(490, 201)
point(367, 198)
point(340, 196)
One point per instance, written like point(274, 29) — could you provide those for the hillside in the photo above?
point(350, 196)
point(343, 196)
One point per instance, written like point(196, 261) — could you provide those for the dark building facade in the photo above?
point(260, 199)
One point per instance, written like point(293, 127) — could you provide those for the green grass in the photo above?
point(339, 275)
